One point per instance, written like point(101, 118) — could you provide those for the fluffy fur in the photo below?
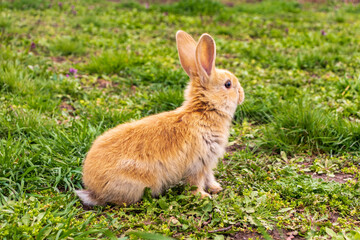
point(160, 150)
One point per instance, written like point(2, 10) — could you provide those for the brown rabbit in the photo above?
point(160, 150)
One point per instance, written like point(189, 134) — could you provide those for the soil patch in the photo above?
point(333, 217)
point(281, 234)
point(325, 1)
point(277, 234)
point(67, 107)
point(102, 83)
point(58, 59)
point(339, 177)
point(247, 235)
point(235, 147)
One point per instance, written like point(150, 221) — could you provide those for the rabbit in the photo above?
point(161, 150)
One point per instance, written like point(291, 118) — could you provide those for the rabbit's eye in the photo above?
point(228, 84)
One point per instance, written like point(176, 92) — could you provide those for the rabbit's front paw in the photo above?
point(203, 194)
point(214, 187)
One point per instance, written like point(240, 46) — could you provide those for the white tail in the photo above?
point(86, 198)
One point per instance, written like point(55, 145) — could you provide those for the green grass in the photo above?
point(66, 46)
point(303, 127)
point(111, 63)
point(293, 165)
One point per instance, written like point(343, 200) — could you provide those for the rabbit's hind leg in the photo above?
point(211, 184)
point(122, 192)
point(198, 180)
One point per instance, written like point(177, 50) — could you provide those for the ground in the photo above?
point(69, 70)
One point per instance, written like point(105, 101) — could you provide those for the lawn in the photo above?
point(69, 70)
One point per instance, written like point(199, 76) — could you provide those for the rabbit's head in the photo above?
point(219, 88)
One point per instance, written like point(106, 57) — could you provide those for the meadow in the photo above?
point(69, 70)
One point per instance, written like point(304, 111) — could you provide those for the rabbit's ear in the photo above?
point(186, 46)
point(205, 55)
